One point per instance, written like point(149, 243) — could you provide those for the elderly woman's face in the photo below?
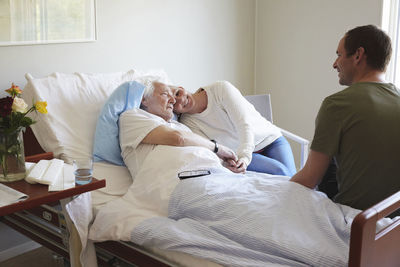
point(161, 102)
point(183, 100)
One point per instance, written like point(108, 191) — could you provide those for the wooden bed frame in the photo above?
point(366, 247)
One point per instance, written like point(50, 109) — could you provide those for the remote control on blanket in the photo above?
point(191, 174)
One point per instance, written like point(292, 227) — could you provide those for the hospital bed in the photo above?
point(46, 224)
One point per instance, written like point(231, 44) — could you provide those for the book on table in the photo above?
point(9, 195)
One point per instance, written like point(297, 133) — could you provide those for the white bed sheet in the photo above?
point(118, 181)
point(149, 195)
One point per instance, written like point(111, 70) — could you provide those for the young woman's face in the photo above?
point(184, 101)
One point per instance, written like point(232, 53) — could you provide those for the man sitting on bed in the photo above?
point(359, 126)
point(153, 125)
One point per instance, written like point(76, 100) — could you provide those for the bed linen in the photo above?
point(118, 181)
point(149, 195)
point(116, 217)
point(251, 220)
point(83, 209)
point(231, 219)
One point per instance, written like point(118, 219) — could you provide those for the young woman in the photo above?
point(220, 113)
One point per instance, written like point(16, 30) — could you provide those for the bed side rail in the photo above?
point(368, 248)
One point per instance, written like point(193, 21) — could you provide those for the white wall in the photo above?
point(195, 41)
point(296, 46)
point(200, 41)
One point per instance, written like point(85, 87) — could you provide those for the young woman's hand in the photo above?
point(235, 166)
point(226, 154)
point(241, 166)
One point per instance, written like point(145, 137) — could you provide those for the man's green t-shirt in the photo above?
point(360, 128)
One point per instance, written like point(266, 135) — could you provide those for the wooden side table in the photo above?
point(23, 216)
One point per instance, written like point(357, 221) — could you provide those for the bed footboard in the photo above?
point(368, 248)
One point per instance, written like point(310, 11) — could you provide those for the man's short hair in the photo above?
point(376, 44)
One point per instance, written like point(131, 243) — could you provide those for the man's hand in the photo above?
point(314, 170)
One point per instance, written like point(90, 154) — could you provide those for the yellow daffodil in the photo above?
point(14, 90)
point(41, 106)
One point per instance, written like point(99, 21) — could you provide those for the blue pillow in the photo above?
point(106, 140)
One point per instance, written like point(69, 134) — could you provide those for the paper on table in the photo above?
point(9, 195)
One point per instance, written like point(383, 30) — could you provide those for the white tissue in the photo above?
point(37, 171)
point(29, 166)
point(53, 172)
point(65, 180)
point(69, 176)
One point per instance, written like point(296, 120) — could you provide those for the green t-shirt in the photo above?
point(360, 128)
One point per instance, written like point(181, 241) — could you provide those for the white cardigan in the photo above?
point(232, 121)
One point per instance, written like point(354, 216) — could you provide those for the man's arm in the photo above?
point(164, 135)
point(314, 170)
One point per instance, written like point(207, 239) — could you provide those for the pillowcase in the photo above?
point(74, 102)
point(126, 96)
point(106, 141)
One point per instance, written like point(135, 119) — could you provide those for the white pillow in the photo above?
point(74, 102)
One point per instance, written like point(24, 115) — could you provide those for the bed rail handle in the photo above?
point(368, 248)
point(303, 142)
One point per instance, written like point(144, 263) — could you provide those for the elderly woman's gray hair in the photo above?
point(148, 82)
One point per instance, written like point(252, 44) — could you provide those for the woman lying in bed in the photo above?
point(220, 112)
point(233, 219)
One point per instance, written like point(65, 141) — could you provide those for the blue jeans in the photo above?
point(276, 158)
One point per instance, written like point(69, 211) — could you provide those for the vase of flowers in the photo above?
point(13, 121)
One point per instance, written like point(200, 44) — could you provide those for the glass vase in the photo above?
point(12, 156)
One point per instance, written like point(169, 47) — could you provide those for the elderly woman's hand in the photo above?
point(226, 154)
point(238, 166)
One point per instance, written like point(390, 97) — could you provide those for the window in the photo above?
point(46, 21)
point(390, 24)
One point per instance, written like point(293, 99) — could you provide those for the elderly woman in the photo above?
point(220, 113)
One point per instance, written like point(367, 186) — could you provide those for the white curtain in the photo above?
point(45, 21)
point(23, 20)
point(390, 24)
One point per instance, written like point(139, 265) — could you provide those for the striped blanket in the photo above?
point(251, 219)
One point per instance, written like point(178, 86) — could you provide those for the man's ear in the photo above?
point(359, 54)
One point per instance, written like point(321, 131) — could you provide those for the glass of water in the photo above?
point(83, 170)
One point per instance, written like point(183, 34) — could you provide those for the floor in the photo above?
point(39, 257)
point(43, 257)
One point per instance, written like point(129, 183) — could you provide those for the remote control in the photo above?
point(191, 174)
